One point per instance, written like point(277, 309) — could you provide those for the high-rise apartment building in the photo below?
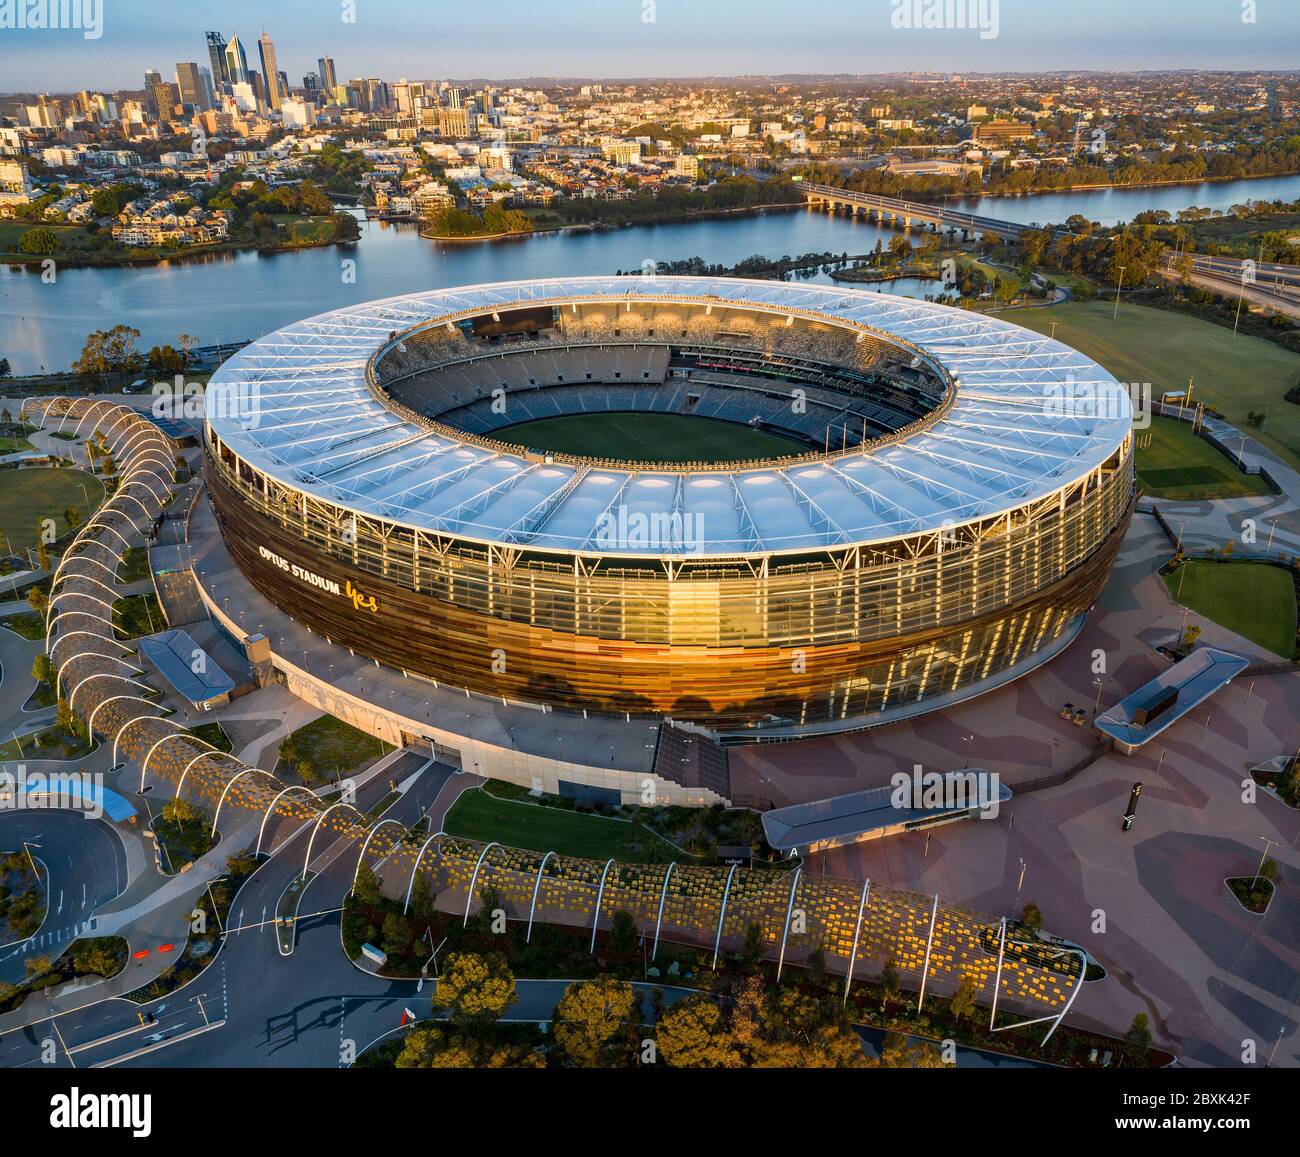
point(325, 70)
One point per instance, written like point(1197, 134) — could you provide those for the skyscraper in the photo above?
point(270, 72)
point(194, 92)
point(325, 70)
point(217, 55)
point(236, 62)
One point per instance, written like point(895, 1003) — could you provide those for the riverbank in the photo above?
point(1045, 190)
point(134, 260)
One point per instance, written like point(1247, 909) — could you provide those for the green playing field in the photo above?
point(649, 438)
point(1175, 463)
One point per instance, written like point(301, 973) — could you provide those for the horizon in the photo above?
point(727, 40)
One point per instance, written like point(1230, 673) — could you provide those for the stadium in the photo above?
point(761, 507)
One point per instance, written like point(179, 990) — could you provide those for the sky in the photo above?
point(505, 39)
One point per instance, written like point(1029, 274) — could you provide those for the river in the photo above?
point(244, 295)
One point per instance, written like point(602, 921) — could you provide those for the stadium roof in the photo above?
point(1030, 416)
point(173, 653)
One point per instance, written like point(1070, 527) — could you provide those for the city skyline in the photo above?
point(643, 39)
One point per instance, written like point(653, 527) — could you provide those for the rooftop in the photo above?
point(1029, 417)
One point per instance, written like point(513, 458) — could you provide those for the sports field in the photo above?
point(1253, 599)
point(1178, 464)
point(1236, 375)
point(649, 438)
point(27, 496)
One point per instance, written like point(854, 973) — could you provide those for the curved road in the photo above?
point(84, 865)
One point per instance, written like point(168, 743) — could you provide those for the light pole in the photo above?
point(969, 740)
point(1020, 882)
point(1118, 286)
point(1097, 705)
point(1267, 844)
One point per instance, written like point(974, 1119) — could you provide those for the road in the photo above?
point(277, 1011)
point(84, 867)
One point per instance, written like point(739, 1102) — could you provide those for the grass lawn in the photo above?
point(479, 816)
point(649, 437)
point(212, 733)
point(137, 615)
point(53, 744)
point(27, 496)
point(135, 565)
point(1180, 465)
point(11, 231)
point(11, 445)
point(298, 228)
point(1253, 599)
point(327, 748)
point(1164, 348)
point(29, 625)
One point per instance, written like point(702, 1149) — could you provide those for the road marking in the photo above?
point(162, 1044)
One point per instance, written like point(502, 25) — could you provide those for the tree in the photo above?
point(109, 351)
point(692, 1034)
point(72, 516)
point(187, 342)
point(1032, 918)
point(423, 899)
point(752, 955)
point(67, 721)
point(105, 203)
point(38, 600)
point(94, 957)
point(1137, 1041)
point(889, 980)
point(963, 1000)
point(166, 359)
point(345, 227)
point(431, 1046)
point(595, 1024)
point(39, 242)
point(43, 670)
point(897, 1052)
point(43, 558)
point(366, 889)
point(396, 935)
point(805, 1031)
point(180, 812)
point(474, 988)
point(36, 966)
point(622, 933)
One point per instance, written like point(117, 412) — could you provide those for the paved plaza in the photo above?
point(1176, 943)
